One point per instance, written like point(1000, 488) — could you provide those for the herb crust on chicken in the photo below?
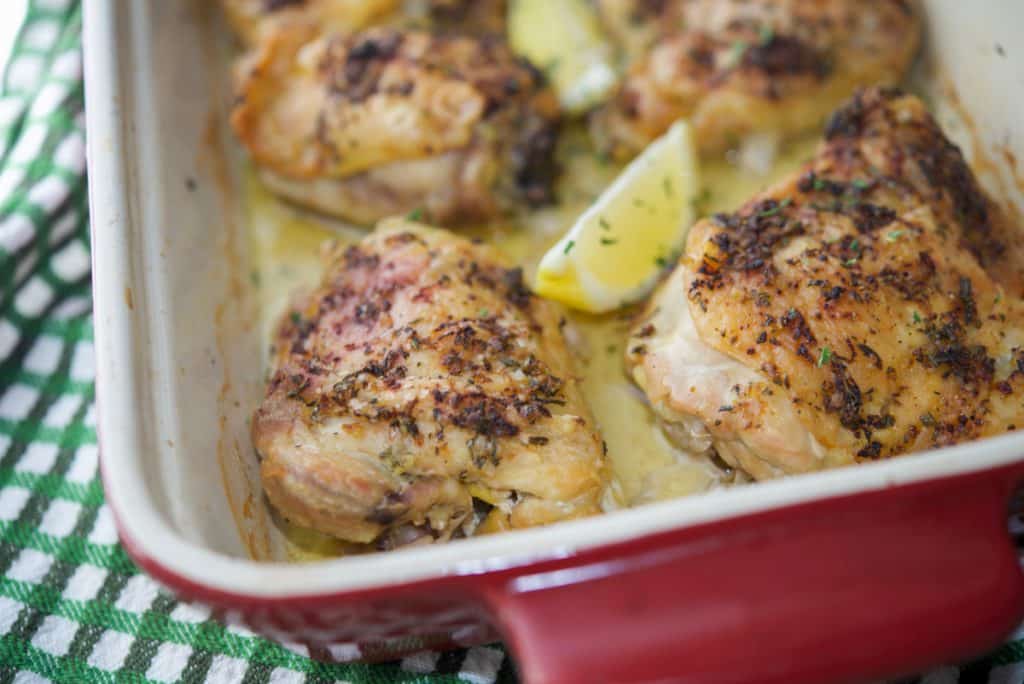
point(422, 392)
point(867, 307)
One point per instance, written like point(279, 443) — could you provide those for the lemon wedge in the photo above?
point(565, 40)
point(613, 254)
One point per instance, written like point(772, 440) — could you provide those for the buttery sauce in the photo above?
point(286, 245)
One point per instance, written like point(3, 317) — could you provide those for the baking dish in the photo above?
point(847, 575)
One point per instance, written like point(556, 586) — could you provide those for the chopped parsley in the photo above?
point(999, 298)
point(766, 34)
point(917, 317)
point(860, 183)
point(296, 317)
point(849, 262)
point(484, 313)
point(608, 241)
point(894, 235)
point(700, 202)
point(604, 223)
point(415, 215)
point(824, 357)
point(855, 245)
point(568, 246)
point(777, 208)
point(736, 52)
point(666, 185)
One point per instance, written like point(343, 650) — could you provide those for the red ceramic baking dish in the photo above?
point(848, 575)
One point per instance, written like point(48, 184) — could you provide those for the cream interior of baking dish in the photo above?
point(230, 255)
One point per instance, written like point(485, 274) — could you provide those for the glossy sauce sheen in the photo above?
point(286, 242)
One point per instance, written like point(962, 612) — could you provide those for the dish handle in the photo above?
point(853, 588)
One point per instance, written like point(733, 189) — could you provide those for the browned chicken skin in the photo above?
point(254, 19)
point(742, 67)
point(387, 121)
point(422, 392)
point(867, 307)
point(469, 16)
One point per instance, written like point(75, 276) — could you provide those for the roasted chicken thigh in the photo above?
point(388, 121)
point(421, 392)
point(738, 68)
point(866, 307)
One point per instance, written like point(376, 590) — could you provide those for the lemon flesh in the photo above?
point(565, 40)
point(613, 254)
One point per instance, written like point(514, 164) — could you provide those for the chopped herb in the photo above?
point(551, 66)
point(568, 246)
point(484, 313)
point(894, 235)
point(819, 184)
point(766, 34)
point(666, 185)
point(860, 183)
point(999, 298)
point(855, 245)
point(608, 241)
point(917, 317)
point(824, 357)
point(700, 202)
point(415, 215)
point(637, 202)
point(927, 419)
point(661, 261)
point(604, 223)
point(296, 317)
point(777, 208)
point(849, 262)
point(736, 52)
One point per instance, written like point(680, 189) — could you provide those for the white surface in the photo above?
point(12, 12)
point(171, 369)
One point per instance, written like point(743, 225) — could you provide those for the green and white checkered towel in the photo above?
point(73, 608)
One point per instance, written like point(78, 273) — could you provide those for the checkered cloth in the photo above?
point(73, 607)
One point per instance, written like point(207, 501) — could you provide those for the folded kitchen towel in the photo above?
point(73, 607)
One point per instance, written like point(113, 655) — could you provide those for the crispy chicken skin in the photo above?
point(742, 67)
point(252, 19)
point(864, 308)
point(387, 121)
point(423, 392)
